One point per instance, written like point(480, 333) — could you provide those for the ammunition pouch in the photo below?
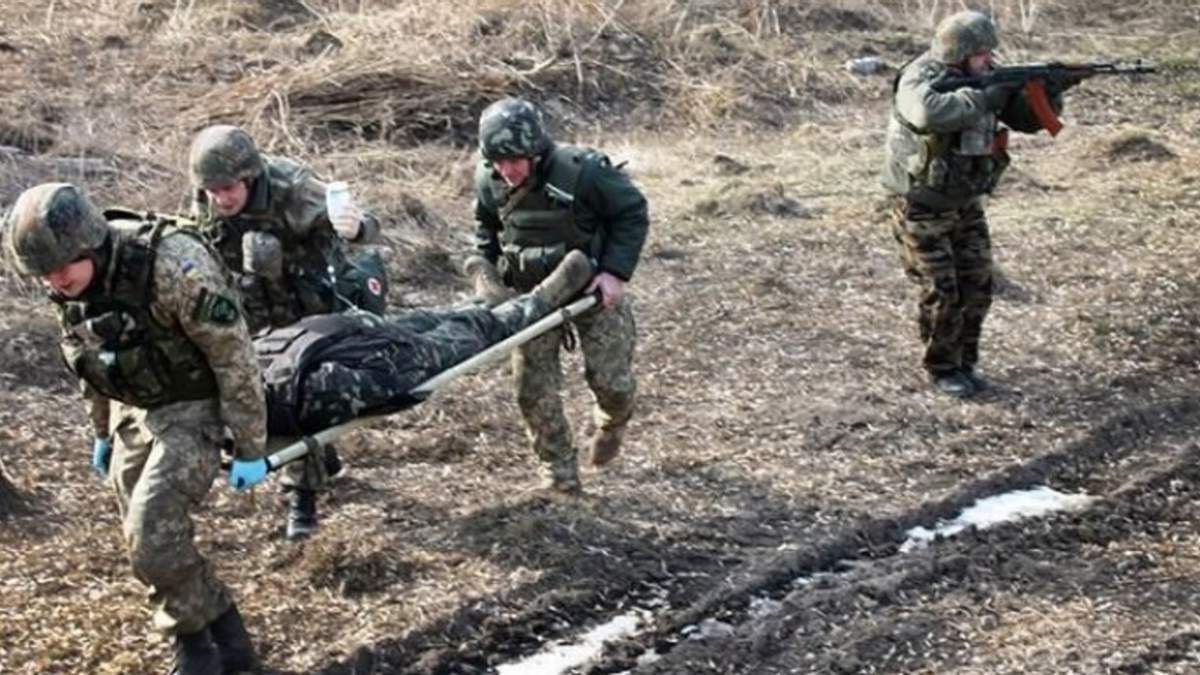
point(945, 178)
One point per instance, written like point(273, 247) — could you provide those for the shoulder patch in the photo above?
point(216, 309)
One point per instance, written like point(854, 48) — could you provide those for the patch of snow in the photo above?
point(560, 657)
point(991, 511)
point(761, 608)
point(710, 628)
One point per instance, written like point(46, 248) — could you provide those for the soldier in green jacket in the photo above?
point(268, 219)
point(153, 330)
point(945, 153)
point(535, 201)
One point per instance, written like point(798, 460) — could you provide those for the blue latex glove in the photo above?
point(246, 473)
point(101, 456)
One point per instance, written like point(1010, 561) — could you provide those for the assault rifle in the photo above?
point(1037, 76)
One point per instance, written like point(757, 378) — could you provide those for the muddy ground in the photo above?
point(784, 430)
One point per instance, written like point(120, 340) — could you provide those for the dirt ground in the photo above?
point(785, 439)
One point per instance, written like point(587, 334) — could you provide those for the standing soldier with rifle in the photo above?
point(535, 201)
point(946, 150)
point(154, 333)
point(267, 218)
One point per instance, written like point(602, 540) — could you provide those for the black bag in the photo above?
point(362, 282)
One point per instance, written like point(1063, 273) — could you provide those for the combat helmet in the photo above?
point(223, 154)
point(512, 127)
point(963, 34)
point(51, 225)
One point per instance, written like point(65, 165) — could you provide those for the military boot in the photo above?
point(233, 642)
point(566, 281)
point(195, 654)
point(606, 445)
point(333, 462)
point(302, 514)
point(977, 381)
point(562, 477)
point(952, 383)
point(485, 279)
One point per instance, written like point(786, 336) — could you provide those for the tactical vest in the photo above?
point(540, 222)
point(308, 285)
point(287, 355)
point(117, 346)
point(951, 169)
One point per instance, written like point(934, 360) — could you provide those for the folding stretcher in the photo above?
point(291, 448)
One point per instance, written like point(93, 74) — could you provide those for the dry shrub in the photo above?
point(352, 567)
point(304, 74)
point(1130, 146)
point(742, 198)
point(423, 70)
point(1136, 146)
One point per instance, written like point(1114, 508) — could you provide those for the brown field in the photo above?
point(784, 428)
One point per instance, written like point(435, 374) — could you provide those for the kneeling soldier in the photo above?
point(268, 219)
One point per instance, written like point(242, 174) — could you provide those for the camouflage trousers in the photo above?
point(427, 343)
point(949, 256)
point(164, 461)
point(607, 338)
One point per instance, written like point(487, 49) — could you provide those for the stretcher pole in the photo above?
point(306, 444)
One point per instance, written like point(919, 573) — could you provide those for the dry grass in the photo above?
point(779, 395)
point(126, 83)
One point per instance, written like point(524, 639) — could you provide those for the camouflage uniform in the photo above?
point(286, 201)
point(167, 366)
point(285, 222)
point(945, 152)
point(573, 200)
point(328, 369)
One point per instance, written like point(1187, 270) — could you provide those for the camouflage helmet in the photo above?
point(963, 34)
point(223, 154)
point(512, 127)
point(51, 225)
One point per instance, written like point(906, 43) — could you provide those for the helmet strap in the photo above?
point(102, 260)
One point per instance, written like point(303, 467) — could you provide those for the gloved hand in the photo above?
point(997, 95)
point(101, 456)
point(246, 473)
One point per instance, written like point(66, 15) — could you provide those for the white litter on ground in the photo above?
point(985, 513)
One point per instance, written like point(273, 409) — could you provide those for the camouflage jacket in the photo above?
point(602, 202)
point(288, 202)
point(189, 311)
point(927, 132)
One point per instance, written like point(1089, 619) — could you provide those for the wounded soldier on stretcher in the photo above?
point(328, 369)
